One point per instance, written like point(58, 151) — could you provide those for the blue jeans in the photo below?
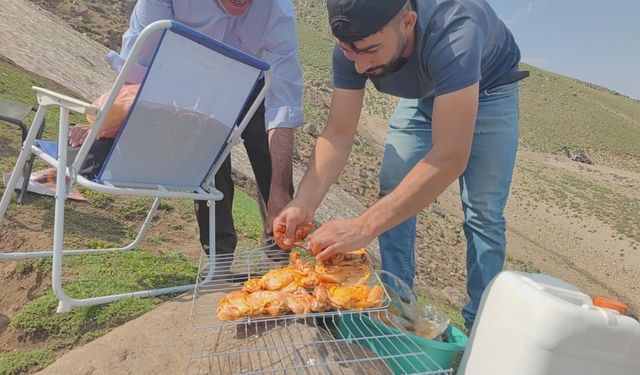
point(484, 185)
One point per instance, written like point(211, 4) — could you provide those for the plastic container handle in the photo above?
point(612, 304)
point(559, 292)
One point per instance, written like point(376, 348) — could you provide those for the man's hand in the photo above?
point(295, 219)
point(77, 135)
point(278, 200)
point(340, 236)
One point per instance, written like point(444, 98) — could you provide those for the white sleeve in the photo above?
point(283, 102)
point(144, 13)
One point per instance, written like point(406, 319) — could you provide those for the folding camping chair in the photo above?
point(182, 125)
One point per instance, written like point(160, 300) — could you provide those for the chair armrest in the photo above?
point(48, 97)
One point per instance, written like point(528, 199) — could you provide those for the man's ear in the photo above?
point(409, 20)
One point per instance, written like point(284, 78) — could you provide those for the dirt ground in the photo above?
point(142, 346)
point(581, 249)
point(540, 237)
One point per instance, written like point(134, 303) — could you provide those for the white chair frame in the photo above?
point(48, 99)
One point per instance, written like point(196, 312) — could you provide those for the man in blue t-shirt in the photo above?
point(454, 64)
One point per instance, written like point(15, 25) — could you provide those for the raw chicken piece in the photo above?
point(252, 285)
point(233, 306)
point(287, 279)
point(355, 297)
point(345, 269)
point(265, 302)
point(300, 301)
point(240, 304)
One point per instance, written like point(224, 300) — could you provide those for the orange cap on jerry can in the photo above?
point(612, 304)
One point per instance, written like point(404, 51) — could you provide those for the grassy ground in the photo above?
point(22, 361)
point(93, 275)
point(582, 197)
point(577, 115)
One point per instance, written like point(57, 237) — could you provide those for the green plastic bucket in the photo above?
point(404, 353)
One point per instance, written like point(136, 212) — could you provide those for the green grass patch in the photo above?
point(315, 52)
point(21, 361)
point(122, 272)
point(558, 111)
point(313, 14)
point(136, 208)
point(95, 275)
point(97, 243)
point(519, 265)
point(157, 239)
point(576, 196)
point(22, 269)
point(246, 215)
point(97, 199)
point(315, 56)
point(38, 201)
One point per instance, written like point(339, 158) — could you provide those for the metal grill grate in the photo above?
point(336, 342)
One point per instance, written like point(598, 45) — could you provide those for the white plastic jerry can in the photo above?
point(534, 324)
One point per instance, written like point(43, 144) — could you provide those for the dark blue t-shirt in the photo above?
point(458, 43)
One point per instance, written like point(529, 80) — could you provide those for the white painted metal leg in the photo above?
point(66, 303)
point(48, 253)
point(25, 153)
point(58, 223)
point(212, 241)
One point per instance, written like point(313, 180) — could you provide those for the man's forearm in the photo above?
point(281, 150)
point(428, 179)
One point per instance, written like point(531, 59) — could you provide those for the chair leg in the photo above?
point(27, 170)
point(58, 222)
point(22, 160)
point(67, 303)
point(26, 177)
point(23, 130)
point(201, 279)
point(212, 241)
point(46, 254)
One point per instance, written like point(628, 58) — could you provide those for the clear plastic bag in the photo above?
point(430, 323)
point(406, 313)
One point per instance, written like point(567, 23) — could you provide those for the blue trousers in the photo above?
point(484, 185)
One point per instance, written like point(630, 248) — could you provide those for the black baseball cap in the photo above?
point(353, 20)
